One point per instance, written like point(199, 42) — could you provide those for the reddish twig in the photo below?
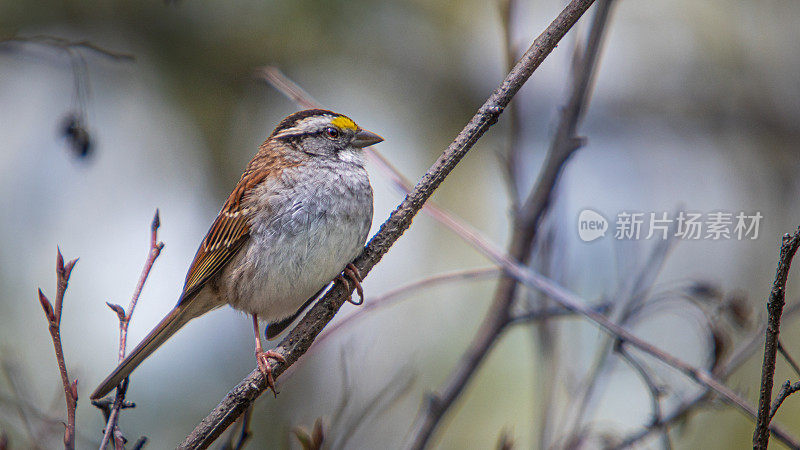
point(53, 315)
point(789, 246)
point(111, 429)
point(287, 87)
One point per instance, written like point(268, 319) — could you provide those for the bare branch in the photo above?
point(775, 304)
point(53, 316)
point(111, 429)
point(301, 337)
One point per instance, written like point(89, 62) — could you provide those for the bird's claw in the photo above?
point(262, 358)
point(351, 273)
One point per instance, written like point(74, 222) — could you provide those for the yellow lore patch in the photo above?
point(344, 123)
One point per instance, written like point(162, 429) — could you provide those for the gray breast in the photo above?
point(307, 226)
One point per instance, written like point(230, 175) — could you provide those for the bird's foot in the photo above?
point(351, 273)
point(262, 358)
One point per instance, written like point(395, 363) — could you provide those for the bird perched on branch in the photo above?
point(296, 220)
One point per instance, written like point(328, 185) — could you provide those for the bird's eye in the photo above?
point(332, 132)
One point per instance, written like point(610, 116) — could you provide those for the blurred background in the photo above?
point(696, 106)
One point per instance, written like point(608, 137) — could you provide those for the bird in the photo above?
point(295, 221)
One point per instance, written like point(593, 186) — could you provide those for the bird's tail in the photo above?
point(173, 322)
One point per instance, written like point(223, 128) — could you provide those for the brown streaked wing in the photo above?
point(212, 256)
point(231, 228)
point(225, 238)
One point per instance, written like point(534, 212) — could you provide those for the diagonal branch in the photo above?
point(789, 246)
point(301, 337)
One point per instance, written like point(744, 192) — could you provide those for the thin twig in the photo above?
point(111, 429)
point(46, 420)
point(289, 88)
point(301, 337)
point(786, 390)
point(63, 273)
point(654, 390)
point(789, 246)
point(788, 357)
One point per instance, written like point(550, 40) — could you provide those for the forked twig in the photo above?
point(786, 390)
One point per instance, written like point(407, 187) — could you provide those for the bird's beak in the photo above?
point(365, 138)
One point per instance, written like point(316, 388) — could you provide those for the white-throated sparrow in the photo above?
point(297, 218)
